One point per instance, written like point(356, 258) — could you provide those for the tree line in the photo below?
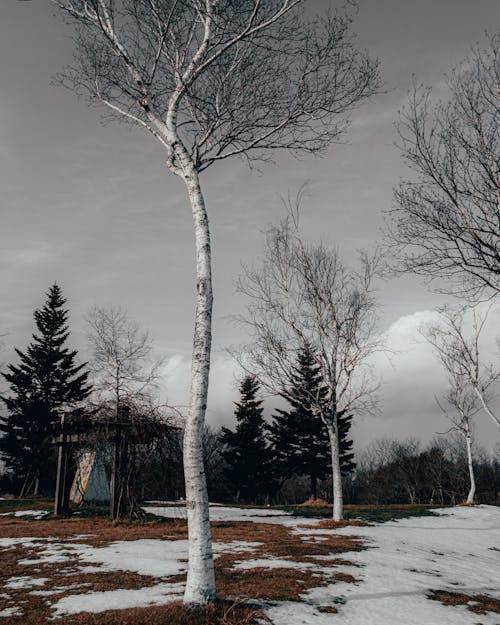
point(283, 457)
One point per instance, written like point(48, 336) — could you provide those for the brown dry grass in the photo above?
point(480, 604)
point(276, 584)
point(330, 524)
point(104, 530)
point(314, 503)
point(222, 613)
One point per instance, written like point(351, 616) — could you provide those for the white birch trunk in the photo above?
point(200, 584)
point(338, 502)
point(472, 491)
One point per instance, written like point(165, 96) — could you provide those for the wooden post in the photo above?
point(60, 506)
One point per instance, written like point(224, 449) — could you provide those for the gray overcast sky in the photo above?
point(94, 207)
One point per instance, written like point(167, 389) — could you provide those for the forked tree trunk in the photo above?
point(200, 584)
point(472, 491)
point(338, 502)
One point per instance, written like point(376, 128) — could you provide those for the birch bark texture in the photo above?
point(303, 296)
point(211, 80)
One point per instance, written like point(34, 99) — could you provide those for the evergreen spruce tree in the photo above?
point(245, 450)
point(45, 381)
point(347, 464)
point(299, 439)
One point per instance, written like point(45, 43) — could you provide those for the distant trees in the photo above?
point(304, 295)
point(299, 441)
point(246, 451)
point(447, 218)
point(45, 382)
point(392, 472)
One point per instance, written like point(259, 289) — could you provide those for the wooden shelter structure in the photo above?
point(124, 428)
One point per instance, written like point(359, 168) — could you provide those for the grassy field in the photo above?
point(372, 514)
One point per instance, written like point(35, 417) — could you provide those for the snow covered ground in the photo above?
point(458, 551)
point(230, 513)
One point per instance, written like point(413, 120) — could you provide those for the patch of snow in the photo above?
point(159, 558)
point(6, 612)
point(22, 581)
point(226, 513)
point(44, 593)
point(28, 541)
point(155, 557)
point(37, 514)
point(58, 589)
point(118, 599)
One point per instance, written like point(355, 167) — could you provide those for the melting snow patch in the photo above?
point(225, 513)
point(118, 599)
point(25, 582)
point(37, 514)
point(6, 612)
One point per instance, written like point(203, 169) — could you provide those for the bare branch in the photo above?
point(446, 223)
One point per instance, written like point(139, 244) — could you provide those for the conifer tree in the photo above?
point(45, 381)
point(299, 439)
point(246, 451)
point(344, 421)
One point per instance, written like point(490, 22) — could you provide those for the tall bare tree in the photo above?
point(210, 80)
point(303, 296)
point(446, 221)
point(459, 352)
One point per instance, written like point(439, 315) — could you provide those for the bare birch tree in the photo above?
point(210, 80)
point(446, 221)
point(304, 296)
point(123, 369)
point(464, 404)
point(459, 353)
point(125, 395)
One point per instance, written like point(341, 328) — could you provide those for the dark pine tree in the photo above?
point(45, 381)
point(245, 450)
point(299, 439)
point(344, 421)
